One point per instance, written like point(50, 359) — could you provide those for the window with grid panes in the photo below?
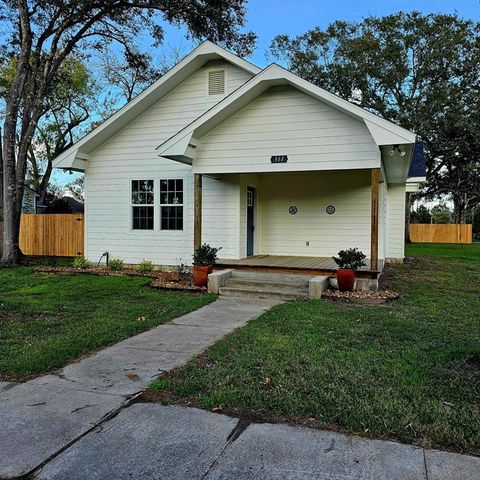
point(171, 204)
point(142, 205)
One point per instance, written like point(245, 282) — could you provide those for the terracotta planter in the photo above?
point(200, 274)
point(345, 279)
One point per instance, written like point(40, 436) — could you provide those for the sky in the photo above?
point(268, 18)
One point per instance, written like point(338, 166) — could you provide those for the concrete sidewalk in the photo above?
point(151, 441)
point(41, 417)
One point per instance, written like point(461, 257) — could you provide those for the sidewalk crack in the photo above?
point(425, 465)
point(37, 469)
point(237, 430)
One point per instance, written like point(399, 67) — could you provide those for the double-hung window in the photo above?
point(142, 204)
point(171, 204)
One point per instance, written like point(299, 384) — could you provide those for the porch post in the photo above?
point(197, 211)
point(375, 182)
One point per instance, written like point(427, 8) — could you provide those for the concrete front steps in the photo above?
point(258, 284)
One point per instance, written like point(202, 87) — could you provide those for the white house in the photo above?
point(258, 162)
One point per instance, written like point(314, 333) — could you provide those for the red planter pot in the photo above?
point(345, 279)
point(200, 274)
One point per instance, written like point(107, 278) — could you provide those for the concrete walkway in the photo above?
point(150, 441)
point(41, 417)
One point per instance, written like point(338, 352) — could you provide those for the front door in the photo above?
point(250, 220)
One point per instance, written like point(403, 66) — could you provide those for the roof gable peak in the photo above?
point(74, 158)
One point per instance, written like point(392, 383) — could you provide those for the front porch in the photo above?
point(296, 265)
point(293, 221)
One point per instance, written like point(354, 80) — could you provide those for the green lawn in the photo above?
point(48, 320)
point(409, 370)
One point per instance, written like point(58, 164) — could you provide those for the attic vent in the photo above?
point(216, 82)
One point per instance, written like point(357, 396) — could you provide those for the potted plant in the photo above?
point(204, 258)
point(348, 261)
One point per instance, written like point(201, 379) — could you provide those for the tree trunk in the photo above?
point(1, 194)
point(459, 210)
point(11, 212)
point(42, 190)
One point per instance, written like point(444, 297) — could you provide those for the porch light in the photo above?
point(396, 148)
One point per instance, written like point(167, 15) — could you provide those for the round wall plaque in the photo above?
point(292, 209)
point(330, 209)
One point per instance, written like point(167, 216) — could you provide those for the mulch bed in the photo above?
point(170, 285)
point(161, 280)
point(363, 297)
point(103, 271)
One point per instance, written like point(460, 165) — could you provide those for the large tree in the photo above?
point(40, 35)
point(420, 71)
point(67, 111)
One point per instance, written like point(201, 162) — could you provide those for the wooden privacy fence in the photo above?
point(59, 235)
point(440, 233)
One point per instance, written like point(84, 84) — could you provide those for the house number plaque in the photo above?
point(279, 159)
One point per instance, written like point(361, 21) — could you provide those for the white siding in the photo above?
point(220, 214)
point(130, 154)
point(284, 234)
point(285, 121)
point(396, 222)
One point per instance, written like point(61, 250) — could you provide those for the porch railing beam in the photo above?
point(375, 187)
point(197, 211)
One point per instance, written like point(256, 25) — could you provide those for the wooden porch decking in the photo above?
point(294, 264)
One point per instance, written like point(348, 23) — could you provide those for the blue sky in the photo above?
point(272, 17)
point(268, 18)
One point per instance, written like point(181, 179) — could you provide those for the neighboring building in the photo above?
point(63, 205)
point(29, 201)
point(275, 165)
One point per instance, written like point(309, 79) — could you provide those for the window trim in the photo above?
point(187, 178)
point(131, 204)
point(160, 205)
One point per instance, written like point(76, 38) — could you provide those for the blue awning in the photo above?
point(418, 167)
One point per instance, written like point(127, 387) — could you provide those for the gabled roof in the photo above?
point(76, 156)
point(182, 145)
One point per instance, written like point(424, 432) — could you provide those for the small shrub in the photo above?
point(183, 270)
point(116, 264)
point(81, 262)
point(205, 255)
point(146, 266)
point(352, 258)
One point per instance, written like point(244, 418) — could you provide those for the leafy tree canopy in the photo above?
point(421, 215)
point(441, 213)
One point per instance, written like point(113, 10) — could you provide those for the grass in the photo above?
point(408, 371)
point(48, 320)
